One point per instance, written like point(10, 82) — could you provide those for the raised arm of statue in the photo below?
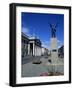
point(53, 29)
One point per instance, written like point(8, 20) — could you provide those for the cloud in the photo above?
point(46, 44)
point(60, 43)
point(26, 31)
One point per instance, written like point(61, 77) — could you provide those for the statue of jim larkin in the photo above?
point(53, 30)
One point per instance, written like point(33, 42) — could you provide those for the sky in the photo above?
point(38, 25)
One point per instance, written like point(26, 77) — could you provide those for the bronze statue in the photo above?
point(53, 29)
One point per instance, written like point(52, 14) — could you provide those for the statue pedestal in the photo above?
point(54, 53)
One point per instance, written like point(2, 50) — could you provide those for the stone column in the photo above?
point(29, 49)
point(36, 50)
point(33, 49)
point(40, 51)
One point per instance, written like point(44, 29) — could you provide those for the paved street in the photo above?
point(28, 59)
point(29, 69)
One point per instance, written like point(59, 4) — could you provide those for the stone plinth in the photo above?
point(54, 53)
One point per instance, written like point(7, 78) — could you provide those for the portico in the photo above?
point(34, 47)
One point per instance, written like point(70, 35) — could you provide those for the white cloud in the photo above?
point(26, 31)
point(59, 43)
point(46, 44)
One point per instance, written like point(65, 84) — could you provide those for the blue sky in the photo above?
point(37, 24)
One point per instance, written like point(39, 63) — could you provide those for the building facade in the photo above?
point(34, 48)
point(25, 42)
point(61, 52)
point(45, 51)
point(30, 46)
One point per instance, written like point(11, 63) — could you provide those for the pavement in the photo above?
point(32, 70)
